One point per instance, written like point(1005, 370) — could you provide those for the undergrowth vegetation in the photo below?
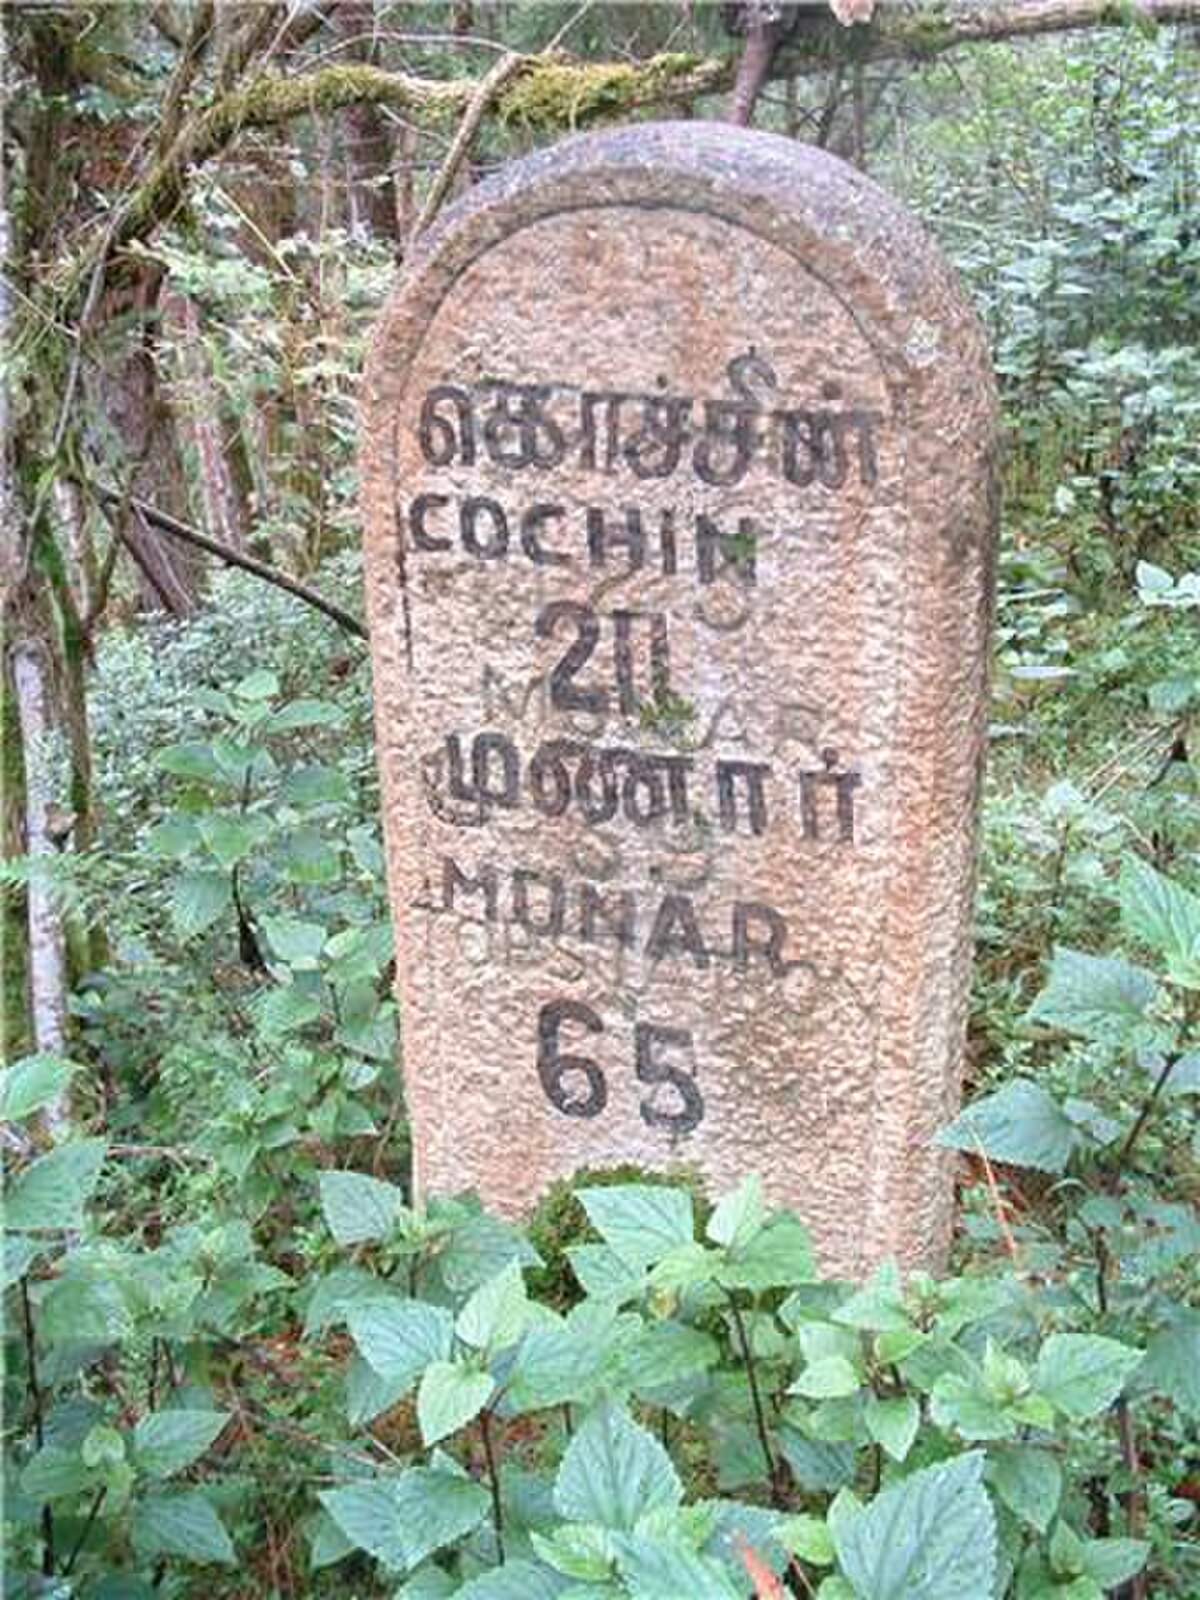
point(243, 1361)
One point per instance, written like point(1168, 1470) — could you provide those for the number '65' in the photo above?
point(575, 1084)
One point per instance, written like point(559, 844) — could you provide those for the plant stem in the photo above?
point(1135, 1499)
point(760, 1420)
point(39, 1431)
point(93, 1512)
point(1143, 1116)
point(485, 1430)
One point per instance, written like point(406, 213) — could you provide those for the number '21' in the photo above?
point(576, 1085)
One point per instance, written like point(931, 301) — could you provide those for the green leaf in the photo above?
point(1164, 915)
point(778, 1256)
point(641, 1222)
point(808, 1537)
point(930, 1537)
point(367, 1515)
point(167, 1441)
point(358, 1208)
point(31, 1083)
point(515, 1580)
point(450, 1396)
point(1112, 1562)
point(498, 1312)
point(1020, 1124)
point(183, 1524)
point(878, 1307)
point(967, 1405)
point(53, 1192)
point(198, 900)
point(309, 858)
point(305, 714)
point(195, 761)
point(739, 1216)
point(261, 684)
point(827, 1378)
point(893, 1423)
point(230, 836)
point(1028, 1480)
point(1172, 1365)
point(298, 943)
point(661, 1569)
point(436, 1507)
point(1083, 1373)
point(56, 1472)
point(400, 1340)
point(1095, 997)
point(614, 1472)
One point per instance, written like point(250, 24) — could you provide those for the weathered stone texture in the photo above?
point(818, 607)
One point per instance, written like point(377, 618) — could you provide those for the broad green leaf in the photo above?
point(358, 1208)
point(554, 1365)
point(1185, 1075)
point(498, 1312)
point(31, 1083)
point(193, 760)
point(232, 836)
point(778, 1256)
point(1172, 1365)
point(174, 837)
point(661, 1569)
point(298, 943)
point(435, 1507)
point(57, 1472)
point(1096, 997)
point(667, 1353)
point(167, 1441)
point(1165, 915)
point(968, 1406)
point(450, 1396)
point(20, 1253)
point(261, 684)
point(604, 1274)
point(199, 899)
point(1110, 1563)
point(828, 1378)
point(614, 1472)
point(640, 1221)
point(304, 714)
point(808, 1537)
point(184, 1524)
point(1021, 1124)
point(515, 1580)
point(579, 1550)
point(893, 1423)
point(309, 858)
point(368, 1516)
point(53, 1191)
point(1083, 1373)
point(399, 1340)
point(1028, 1480)
point(878, 1307)
point(930, 1537)
point(739, 1216)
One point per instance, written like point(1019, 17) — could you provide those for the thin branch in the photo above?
point(489, 88)
point(237, 558)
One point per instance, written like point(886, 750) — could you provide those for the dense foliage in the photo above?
point(240, 1359)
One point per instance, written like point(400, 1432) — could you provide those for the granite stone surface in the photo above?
point(680, 513)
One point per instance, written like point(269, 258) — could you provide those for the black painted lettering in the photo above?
point(605, 536)
point(547, 924)
point(417, 514)
point(759, 930)
point(471, 514)
point(752, 775)
point(455, 879)
point(676, 931)
point(532, 522)
point(611, 916)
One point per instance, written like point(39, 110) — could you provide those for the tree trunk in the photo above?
point(365, 137)
point(198, 408)
point(47, 968)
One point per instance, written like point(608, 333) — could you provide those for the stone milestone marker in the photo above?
point(680, 512)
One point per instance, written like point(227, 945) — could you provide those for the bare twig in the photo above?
point(489, 87)
point(237, 558)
